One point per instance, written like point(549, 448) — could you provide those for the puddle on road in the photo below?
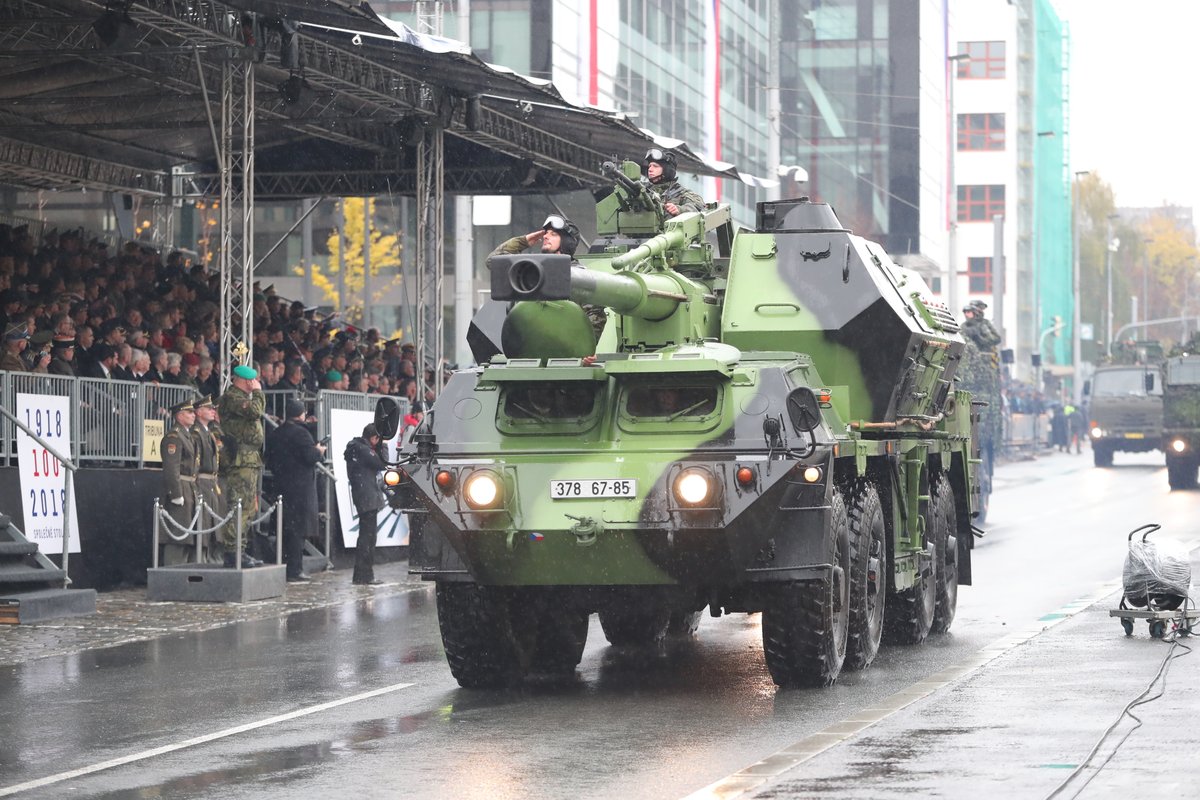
point(283, 763)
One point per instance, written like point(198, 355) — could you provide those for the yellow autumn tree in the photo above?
point(385, 261)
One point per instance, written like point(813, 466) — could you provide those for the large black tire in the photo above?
point(1181, 473)
point(909, 615)
point(946, 575)
point(635, 626)
point(562, 633)
point(684, 623)
point(805, 623)
point(1102, 455)
point(484, 648)
point(868, 574)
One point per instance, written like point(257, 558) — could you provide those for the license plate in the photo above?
point(1135, 436)
point(592, 487)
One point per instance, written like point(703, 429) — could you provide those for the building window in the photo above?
point(980, 203)
point(979, 275)
point(985, 60)
point(980, 131)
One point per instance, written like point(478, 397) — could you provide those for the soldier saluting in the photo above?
point(241, 410)
point(179, 463)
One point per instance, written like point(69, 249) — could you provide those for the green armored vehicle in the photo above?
point(768, 423)
point(1181, 420)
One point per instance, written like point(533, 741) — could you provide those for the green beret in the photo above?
point(333, 375)
point(242, 371)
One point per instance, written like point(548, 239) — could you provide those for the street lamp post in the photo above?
point(1111, 246)
point(1076, 349)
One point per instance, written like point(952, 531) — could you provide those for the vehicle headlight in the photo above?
point(391, 477)
point(1178, 445)
point(1097, 433)
point(482, 490)
point(693, 486)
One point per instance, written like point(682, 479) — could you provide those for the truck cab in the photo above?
point(1125, 410)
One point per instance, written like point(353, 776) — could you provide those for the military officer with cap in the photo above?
point(16, 339)
point(208, 446)
point(179, 466)
point(241, 412)
point(62, 350)
point(659, 168)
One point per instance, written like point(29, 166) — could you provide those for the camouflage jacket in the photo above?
point(979, 374)
point(595, 314)
point(982, 332)
point(241, 421)
point(674, 192)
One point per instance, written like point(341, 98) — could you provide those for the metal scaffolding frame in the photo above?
point(431, 265)
point(236, 160)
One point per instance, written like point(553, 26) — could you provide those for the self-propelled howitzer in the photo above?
point(768, 423)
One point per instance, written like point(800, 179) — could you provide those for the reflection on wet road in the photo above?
point(662, 722)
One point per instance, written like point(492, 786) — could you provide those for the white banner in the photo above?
point(43, 477)
point(344, 425)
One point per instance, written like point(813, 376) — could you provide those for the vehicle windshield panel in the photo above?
point(1184, 372)
point(541, 402)
point(1124, 383)
point(670, 402)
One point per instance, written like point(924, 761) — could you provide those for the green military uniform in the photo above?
point(980, 375)
point(595, 314)
point(674, 192)
point(207, 488)
point(241, 421)
point(982, 332)
point(179, 463)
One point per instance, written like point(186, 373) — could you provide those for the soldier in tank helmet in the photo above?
point(659, 168)
point(977, 328)
point(557, 235)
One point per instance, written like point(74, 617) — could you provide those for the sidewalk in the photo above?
point(1017, 721)
point(125, 615)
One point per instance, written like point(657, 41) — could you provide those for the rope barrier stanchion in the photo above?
point(154, 555)
point(279, 534)
point(238, 550)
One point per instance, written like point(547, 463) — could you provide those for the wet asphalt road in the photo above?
point(631, 724)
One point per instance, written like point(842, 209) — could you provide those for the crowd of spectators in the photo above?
point(71, 306)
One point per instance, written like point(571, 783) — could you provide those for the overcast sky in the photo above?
point(1135, 97)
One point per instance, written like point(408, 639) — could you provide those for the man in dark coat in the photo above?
point(292, 456)
point(363, 466)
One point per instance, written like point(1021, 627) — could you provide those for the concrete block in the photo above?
point(206, 583)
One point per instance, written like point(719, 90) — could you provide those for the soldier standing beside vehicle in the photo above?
point(241, 410)
point(179, 466)
point(557, 235)
point(659, 167)
point(204, 436)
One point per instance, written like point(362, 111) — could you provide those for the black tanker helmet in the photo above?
point(568, 233)
point(664, 158)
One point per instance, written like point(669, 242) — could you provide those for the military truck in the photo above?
point(1181, 420)
point(768, 423)
point(1125, 409)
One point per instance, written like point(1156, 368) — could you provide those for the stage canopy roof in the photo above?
point(112, 96)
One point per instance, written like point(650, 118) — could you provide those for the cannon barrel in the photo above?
point(651, 296)
point(670, 239)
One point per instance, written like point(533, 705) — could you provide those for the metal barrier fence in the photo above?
point(277, 400)
point(107, 416)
